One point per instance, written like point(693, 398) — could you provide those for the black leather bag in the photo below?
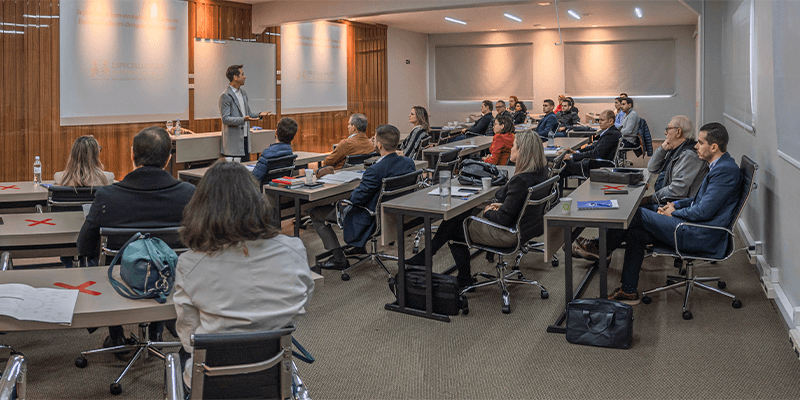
point(446, 297)
point(628, 176)
point(600, 322)
point(472, 171)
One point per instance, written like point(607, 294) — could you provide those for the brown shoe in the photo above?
point(627, 298)
point(588, 249)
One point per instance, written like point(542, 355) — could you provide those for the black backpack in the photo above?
point(472, 171)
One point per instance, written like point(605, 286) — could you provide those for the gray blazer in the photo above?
point(233, 124)
point(684, 173)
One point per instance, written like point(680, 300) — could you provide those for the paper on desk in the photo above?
point(464, 191)
point(250, 167)
point(341, 177)
point(466, 146)
point(27, 303)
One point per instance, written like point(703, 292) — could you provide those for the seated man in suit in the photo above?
point(500, 106)
point(358, 224)
point(356, 143)
point(714, 205)
point(148, 197)
point(549, 122)
point(603, 148)
point(485, 122)
point(284, 134)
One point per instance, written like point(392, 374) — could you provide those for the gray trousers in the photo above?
point(320, 216)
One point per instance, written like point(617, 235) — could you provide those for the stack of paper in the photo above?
point(461, 191)
point(27, 303)
point(341, 177)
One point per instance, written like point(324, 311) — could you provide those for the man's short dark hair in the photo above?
point(286, 130)
point(550, 102)
point(359, 121)
point(233, 70)
point(488, 103)
point(388, 136)
point(569, 101)
point(623, 94)
point(151, 147)
point(627, 100)
point(716, 133)
point(619, 99)
point(501, 102)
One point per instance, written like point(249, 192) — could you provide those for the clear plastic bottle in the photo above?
point(178, 128)
point(551, 139)
point(37, 170)
point(444, 188)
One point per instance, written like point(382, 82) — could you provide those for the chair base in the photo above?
point(142, 347)
point(533, 246)
point(373, 255)
point(688, 282)
point(503, 279)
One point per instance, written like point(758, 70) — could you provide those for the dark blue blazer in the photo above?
point(274, 150)
point(358, 224)
point(547, 124)
point(479, 128)
point(715, 205)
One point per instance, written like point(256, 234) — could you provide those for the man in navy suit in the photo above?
point(358, 224)
point(714, 205)
point(549, 122)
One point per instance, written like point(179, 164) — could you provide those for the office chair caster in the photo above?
point(721, 284)
point(646, 300)
point(554, 263)
point(115, 389)
point(737, 303)
point(506, 303)
point(81, 362)
point(345, 277)
point(687, 315)
point(545, 295)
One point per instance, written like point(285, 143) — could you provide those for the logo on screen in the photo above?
point(98, 72)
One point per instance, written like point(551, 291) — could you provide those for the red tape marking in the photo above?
point(81, 288)
point(44, 221)
point(609, 187)
point(8, 187)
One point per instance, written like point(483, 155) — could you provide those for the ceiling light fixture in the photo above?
point(573, 14)
point(455, 20)
point(544, 3)
point(493, 30)
point(509, 16)
point(638, 12)
point(594, 26)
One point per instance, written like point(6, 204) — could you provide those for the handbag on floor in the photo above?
point(147, 266)
point(600, 322)
point(447, 299)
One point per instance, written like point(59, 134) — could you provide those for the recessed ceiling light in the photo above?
point(493, 30)
point(638, 12)
point(573, 14)
point(509, 16)
point(542, 27)
point(594, 26)
point(544, 3)
point(455, 20)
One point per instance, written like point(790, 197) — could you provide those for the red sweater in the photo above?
point(500, 149)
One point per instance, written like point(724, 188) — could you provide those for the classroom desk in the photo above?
point(481, 143)
point(41, 234)
point(421, 204)
point(327, 191)
point(26, 194)
point(303, 158)
point(561, 230)
point(98, 303)
point(207, 146)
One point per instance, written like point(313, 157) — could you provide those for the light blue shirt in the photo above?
point(619, 118)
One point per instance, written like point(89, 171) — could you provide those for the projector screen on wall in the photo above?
point(212, 58)
point(313, 67)
point(123, 61)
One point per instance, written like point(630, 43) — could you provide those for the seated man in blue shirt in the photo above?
point(619, 111)
point(714, 205)
point(358, 224)
point(284, 134)
point(549, 122)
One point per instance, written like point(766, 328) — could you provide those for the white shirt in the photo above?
point(240, 98)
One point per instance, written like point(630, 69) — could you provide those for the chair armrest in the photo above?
point(350, 203)
point(675, 232)
point(5, 261)
point(173, 379)
point(482, 221)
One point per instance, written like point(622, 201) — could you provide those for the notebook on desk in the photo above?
point(598, 205)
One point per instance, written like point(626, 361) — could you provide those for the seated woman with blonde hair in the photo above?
point(84, 168)
point(240, 274)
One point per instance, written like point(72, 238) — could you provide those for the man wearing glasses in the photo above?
point(356, 142)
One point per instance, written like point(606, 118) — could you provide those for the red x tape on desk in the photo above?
point(81, 288)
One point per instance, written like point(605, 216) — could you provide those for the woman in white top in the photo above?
point(83, 166)
point(240, 274)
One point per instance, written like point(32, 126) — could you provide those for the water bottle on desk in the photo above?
point(37, 170)
point(551, 139)
point(178, 128)
point(444, 188)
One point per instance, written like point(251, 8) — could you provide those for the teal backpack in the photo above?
point(147, 266)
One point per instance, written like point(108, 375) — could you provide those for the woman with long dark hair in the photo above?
point(520, 113)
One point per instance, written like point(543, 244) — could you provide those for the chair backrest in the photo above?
point(69, 198)
point(112, 239)
point(394, 187)
point(748, 168)
point(645, 138)
point(247, 365)
point(358, 159)
point(447, 162)
point(530, 222)
point(279, 167)
point(423, 144)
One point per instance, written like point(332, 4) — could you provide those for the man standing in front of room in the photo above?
point(236, 116)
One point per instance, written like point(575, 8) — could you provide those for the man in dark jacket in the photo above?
point(567, 117)
point(284, 134)
point(714, 205)
point(501, 110)
point(358, 224)
point(148, 197)
point(603, 148)
point(479, 127)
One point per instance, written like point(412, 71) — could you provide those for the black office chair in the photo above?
point(391, 188)
point(530, 224)
point(111, 241)
point(69, 198)
point(690, 280)
point(14, 382)
point(246, 365)
point(357, 159)
point(279, 167)
point(620, 158)
point(423, 144)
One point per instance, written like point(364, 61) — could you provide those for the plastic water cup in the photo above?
point(472, 141)
point(229, 159)
point(566, 205)
point(309, 176)
point(487, 183)
point(444, 188)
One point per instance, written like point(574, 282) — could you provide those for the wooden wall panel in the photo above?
point(30, 98)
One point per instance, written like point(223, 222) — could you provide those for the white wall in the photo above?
point(548, 70)
point(408, 83)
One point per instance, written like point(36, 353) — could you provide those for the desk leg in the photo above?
point(297, 217)
point(401, 263)
point(428, 268)
point(277, 221)
point(569, 295)
point(603, 264)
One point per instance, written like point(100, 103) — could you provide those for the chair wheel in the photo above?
point(721, 284)
point(545, 295)
point(115, 389)
point(682, 271)
point(506, 309)
point(81, 362)
point(415, 250)
point(687, 315)
point(554, 263)
point(345, 277)
point(737, 303)
point(646, 300)
point(465, 310)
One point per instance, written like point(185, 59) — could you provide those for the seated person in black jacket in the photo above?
point(520, 113)
point(531, 169)
point(148, 197)
point(501, 110)
point(479, 128)
point(568, 116)
point(603, 148)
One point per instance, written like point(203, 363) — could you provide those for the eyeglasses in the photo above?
point(666, 130)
